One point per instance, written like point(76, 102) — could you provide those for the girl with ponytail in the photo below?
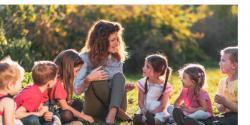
point(193, 102)
point(154, 91)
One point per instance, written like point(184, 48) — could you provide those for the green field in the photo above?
point(213, 78)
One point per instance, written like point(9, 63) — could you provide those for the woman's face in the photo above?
point(113, 43)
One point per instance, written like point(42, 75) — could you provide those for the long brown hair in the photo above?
point(196, 72)
point(67, 60)
point(97, 43)
point(159, 64)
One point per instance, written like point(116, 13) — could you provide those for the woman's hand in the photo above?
point(97, 74)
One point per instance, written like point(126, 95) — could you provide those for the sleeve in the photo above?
point(60, 93)
point(204, 96)
point(183, 93)
point(141, 84)
point(80, 77)
point(168, 89)
point(220, 87)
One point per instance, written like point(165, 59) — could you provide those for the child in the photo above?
point(11, 75)
point(193, 101)
point(227, 94)
point(30, 100)
point(68, 62)
point(153, 91)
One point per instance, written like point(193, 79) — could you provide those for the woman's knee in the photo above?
point(120, 77)
point(78, 105)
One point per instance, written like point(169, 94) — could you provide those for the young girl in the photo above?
point(68, 62)
point(227, 93)
point(101, 76)
point(11, 75)
point(153, 91)
point(193, 101)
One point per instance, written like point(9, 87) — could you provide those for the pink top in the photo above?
point(192, 101)
point(1, 112)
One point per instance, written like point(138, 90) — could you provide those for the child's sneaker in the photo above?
point(138, 120)
point(150, 118)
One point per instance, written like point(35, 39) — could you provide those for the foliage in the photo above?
point(167, 29)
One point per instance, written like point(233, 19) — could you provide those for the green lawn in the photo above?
point(213, 78)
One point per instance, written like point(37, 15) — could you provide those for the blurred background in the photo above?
point(185, 33)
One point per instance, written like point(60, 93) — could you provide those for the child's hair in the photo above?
point(43, 71)
point(66, 61)
point(196, 72)
point(10, 72)
point(233, 51)
point(159, 64)
point(97, 43)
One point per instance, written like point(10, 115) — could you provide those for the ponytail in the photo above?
point(167, 75)
point(146, 86)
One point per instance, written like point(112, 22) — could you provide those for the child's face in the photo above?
point(113, 42)
point(148, 70)
point(76, 69)
point(186, 81)
point(226, 65)
point(51, 83)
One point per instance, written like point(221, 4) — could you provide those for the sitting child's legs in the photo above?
point(66, 116)
point(31, 120)
point(138, 119)
point(200, 114)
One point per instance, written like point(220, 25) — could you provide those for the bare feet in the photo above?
point(110, 119)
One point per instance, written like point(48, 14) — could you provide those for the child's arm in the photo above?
point(203, 107)
point(178, 102)
point(64, 105)
point(162, 106)
point(141, 101)
point(228, 104)
point(21, 112)
point(9, 111)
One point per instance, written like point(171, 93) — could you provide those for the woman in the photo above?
point(101, 77)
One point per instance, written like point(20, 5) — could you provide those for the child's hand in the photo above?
point(129, 87)
point(89, 118)
point(43, 109)
point(219, 99)
point(48, 116)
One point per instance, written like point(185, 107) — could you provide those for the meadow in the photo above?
point(213, 78)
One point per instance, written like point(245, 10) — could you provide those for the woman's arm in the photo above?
point(9, 111)
point(65, 106)
point(83, 79)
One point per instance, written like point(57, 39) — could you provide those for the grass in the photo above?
point(213, 78)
